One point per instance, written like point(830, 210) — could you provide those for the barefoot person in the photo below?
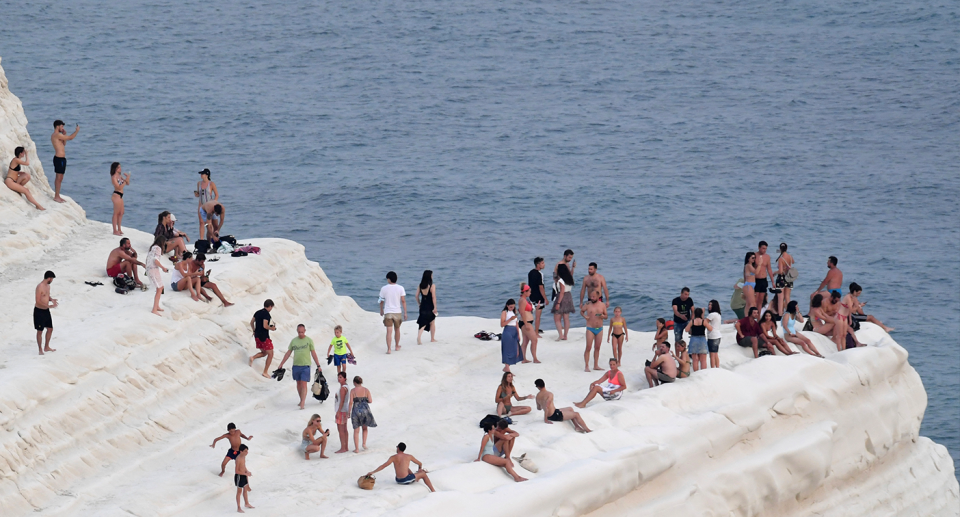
point(833, 282)
point(427, 302)
point(340, 347)
point(510, 352)
point(205, 193)
point(749, 333)
point(186, 278)
point(241, 473)
point(123, 259)
point(154, 266)
point(393, 309)
point(538, 294)
point(213, 215)
point(763, 271)
point(342, 400)
point(682, 310)
point(594, 282)
point(769, 328)
point(302, 349)
point(198, 266)
point(401, 466)
point(713, 336)
point(610, 386)
point(852, 306)
point(175, 240)
point(698, 328)
point(59, 139)
point(789, 322)
point(16, 180)
point(750, 281)
point(594, 312)
point(525, 317)
point(826, 325)
point(490, 454)
point(784, 265)
point(41, 312)
point(618, 333)
point(360, 415)
point(233, 436)
point(119, 180)
point(261, 325)
point(551, 414)
point(505, 393)
point(563, 301)
point(663, 369)
point(309, 444)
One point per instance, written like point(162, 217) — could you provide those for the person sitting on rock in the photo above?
point(123, 259)
point(663, 368)
point(609, 386)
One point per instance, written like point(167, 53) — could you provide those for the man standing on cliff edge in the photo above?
point(59, 139)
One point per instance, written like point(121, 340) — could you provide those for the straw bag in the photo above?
point(366, 482)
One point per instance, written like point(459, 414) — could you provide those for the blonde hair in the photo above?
point(338, 327)
point(314, 417)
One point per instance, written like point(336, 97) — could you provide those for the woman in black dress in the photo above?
point(427, 300)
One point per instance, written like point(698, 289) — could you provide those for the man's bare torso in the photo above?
point(545, 401)
point(59, 146)
point(43, 295)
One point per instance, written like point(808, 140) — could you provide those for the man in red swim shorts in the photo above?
point(124, 260)
point(262, 326)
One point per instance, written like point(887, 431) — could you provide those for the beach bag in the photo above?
point(320, 389)
point(808, 325)
point(123, 281)
point(483, 335)
point(229, 239)
point(668, 325)
point(225, 247)
point(792, 275)
point(201, 246)
point(527, 463)
point(366, 482)
point(249, 249)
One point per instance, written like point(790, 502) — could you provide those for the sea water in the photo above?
point(661, 140)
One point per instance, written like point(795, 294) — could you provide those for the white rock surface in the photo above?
point(119, 420)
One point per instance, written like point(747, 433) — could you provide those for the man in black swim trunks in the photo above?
point(59, 139)
point(240, 478)
point(41, 311)
point(551, 414)
point(764, 270)
point(538, 295)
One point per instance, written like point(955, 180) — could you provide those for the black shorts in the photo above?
point(42, 319)
point(557, 416)
point(59, 165)
point(761, 286)
point(232, 454)
point(538, 303)
point(240, 481)
point(713, 345)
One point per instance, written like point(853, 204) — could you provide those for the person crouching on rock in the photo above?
point(123, 259)
point(309, 444)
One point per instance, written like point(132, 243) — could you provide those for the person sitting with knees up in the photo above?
point(490, 454)
point(610, 386)
point(663, 368)
point(123, 259)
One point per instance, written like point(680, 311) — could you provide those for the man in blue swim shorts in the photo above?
point(833, 282)
point(401, 464)
point(595, 312)
point(302, 349)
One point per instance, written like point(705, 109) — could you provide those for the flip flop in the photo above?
point(94, 284)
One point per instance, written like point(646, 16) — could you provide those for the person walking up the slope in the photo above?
point(302, 349)
point(261, 325)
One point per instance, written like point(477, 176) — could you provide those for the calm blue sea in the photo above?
point(659, 139)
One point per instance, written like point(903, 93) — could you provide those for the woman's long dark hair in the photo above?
point(792, 307)
point(510, 302)
point(713, 306)
point(163, 215)
point(160, 240)
point(564, 273)
point(427, 279)
point(113, 168)
point(746, 260)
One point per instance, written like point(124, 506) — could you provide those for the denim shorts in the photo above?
point(301, 373)
point(713, 345)
point(697, 345)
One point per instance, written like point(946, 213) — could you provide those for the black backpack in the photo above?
point(124, 282)
point(324, 389)
point(201, 246)
point(230, 239)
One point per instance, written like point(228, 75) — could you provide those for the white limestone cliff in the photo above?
point(119, 420)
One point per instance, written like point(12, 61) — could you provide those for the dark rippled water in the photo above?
point(660, 139)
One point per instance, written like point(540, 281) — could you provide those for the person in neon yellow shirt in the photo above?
point(340, 346)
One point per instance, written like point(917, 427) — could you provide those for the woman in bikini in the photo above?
point(789, 322)
point(119, 180)
point(16, 180)
point(620, 335)
point(525, 322)
point(784, 263)
point(749, 280)
point(683, 359)
point(769, 328)
point(662, 333)
point(505, 393)
point(206, 191)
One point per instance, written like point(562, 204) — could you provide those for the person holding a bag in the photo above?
point(302, 349)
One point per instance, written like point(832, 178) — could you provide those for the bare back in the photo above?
point(545, 402)
point(784, 263)
point(401, 464)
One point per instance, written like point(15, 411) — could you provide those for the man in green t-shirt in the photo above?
point(302, 349)
point(340, 346)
